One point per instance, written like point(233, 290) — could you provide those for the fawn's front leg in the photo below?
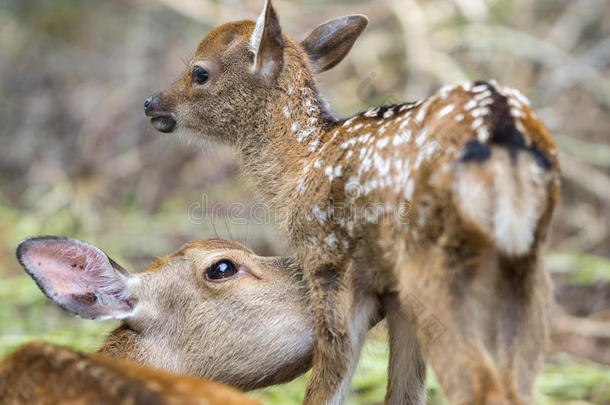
point(342, 319)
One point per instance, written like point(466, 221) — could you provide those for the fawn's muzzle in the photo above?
point(162, 120)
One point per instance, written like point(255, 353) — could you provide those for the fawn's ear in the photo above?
point(267, 44)
point(79, 277)
point(328, 43)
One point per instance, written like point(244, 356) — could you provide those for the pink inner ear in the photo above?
point(66, 268)
point(77, 276)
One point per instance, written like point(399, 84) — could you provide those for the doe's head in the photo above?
point(212, 309)
point(239, 68)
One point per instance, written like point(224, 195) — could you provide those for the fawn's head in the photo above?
point(212, 309)
point(242, 70)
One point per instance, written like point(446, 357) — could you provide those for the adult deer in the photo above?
point(442, 204)
point(213, 309)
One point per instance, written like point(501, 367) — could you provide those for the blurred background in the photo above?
point(78, 157)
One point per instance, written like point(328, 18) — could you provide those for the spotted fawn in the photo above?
point(442, 206)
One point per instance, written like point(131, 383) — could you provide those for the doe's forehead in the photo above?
point(200, 247)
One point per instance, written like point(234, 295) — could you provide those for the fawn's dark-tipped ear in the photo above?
point(328, 43)
point(78, 276)
point(267, 44)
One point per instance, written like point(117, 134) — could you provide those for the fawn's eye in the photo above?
point(219, 271)
point(200, 75)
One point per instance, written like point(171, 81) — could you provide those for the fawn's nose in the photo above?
point(161, 117)
point(151, 104)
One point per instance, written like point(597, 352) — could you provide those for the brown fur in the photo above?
point(44, 374)
point(442, 204)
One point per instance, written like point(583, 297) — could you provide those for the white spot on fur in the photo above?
point(313, 145)
point(349, 122)
point(483, 95)
point(372, 112)
point(421, 137)
point(294, 127)
point(483, 134)
point(445, 110)
point(317, 164)
point(486, 101)
point(388, 113)
point(445, 90)
point(516, 113)
point(349, 227)
point(301, 186)
point(364, 138)
point(286, 111)
point(304, 134)
point(337, 171)
point(476, 123)
point(430, 148)
point(513, 102)
point(472, 103)
point(319, 214)
point(459, 117)
point(382, 142)
point(331, 240)
point(333, 173)
point(421, 113)
point(348, 143)
point(467, 86)
point(404, 123)
point(409, 189)
point(479, 112)
point(517, 94)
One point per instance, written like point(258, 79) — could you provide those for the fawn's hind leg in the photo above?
point(525, 291)
point(342, 319)
point(453, 322)
point(407, 370)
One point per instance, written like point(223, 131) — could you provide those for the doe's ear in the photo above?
point(78, 276)
point(267, 44)
point(328, 43)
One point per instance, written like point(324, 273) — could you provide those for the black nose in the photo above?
point(148, 102)
point(152, 105)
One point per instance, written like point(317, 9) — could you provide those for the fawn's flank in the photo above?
point(44, 374)
point(213, 309)
point(443, 205)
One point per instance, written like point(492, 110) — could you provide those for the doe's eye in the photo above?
point(200, 75)
point(222, 270)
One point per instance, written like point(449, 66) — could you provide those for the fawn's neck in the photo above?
point(298, 124)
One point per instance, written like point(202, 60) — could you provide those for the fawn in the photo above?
point(442, 205)
point(44, 374)
point(213, 309)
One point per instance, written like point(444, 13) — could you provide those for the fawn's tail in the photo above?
point(507, 186)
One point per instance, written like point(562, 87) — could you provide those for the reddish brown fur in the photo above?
point(41, 374)
point(465, 182)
